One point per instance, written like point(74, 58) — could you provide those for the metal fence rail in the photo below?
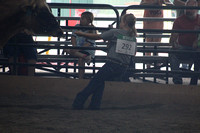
point(53, 63)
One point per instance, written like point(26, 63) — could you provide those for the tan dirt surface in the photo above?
point(33, 107)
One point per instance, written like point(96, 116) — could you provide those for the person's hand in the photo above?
point(66, 51)
point(79, 33)
point(195, 44)
point(86, 44)
point(175, 45)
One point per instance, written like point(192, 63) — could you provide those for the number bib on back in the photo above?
point(126, 45)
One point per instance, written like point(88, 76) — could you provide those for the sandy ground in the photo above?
point(54, 115)
point(25, 113)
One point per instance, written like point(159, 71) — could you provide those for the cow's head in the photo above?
point(39, 19)
point(32, 15)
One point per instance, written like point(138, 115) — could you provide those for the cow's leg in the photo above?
point(13, 70)
point(31, 69)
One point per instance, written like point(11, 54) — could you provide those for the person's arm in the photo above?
point(156, 2)
point(73, 40)
point(88, 35)
point(195, 43)
point(143, 2)
point(147, 2)
point(198, 2)
point(173, 40)
point(179, 3)
point(175, 36)
point(167, 2)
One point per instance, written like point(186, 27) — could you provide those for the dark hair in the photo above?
point(130, 20)
point(89, 16)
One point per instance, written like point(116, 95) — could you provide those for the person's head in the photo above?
point(86, 18)
point(191, 13)
point(128, 22)
point(198, 1)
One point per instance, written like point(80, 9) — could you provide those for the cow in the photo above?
point(32, 15)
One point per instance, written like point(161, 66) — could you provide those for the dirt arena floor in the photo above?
point(43, 105)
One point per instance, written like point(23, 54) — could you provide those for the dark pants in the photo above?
point(96, 86)
point(175, 62)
